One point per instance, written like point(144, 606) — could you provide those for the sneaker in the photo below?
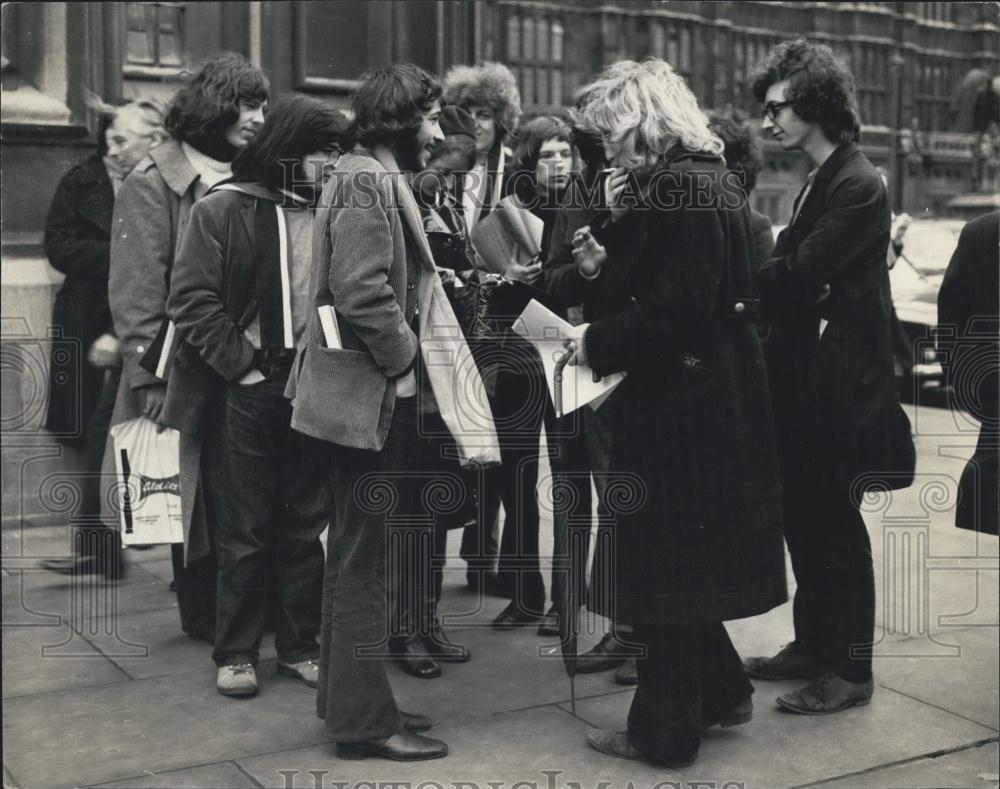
point(237, 679)
point(305, 670)
point(827, 694)
point(789, 663)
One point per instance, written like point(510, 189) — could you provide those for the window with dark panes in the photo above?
point(154, 34)
point(535, 52)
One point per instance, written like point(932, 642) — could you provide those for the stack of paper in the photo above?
point(547, 332)
point(510, 234)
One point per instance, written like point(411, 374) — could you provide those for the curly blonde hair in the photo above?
point(489, 85)
point(642, 110)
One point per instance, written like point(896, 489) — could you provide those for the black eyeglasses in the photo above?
point(772, 108)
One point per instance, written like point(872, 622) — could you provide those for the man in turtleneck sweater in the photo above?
point(209, 120)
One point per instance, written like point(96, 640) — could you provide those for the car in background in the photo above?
point(915, 279)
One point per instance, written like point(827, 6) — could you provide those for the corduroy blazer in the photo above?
point(366, 225)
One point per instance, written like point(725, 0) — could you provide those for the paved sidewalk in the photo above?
point(100, 687)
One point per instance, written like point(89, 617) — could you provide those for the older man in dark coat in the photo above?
point(82, 383)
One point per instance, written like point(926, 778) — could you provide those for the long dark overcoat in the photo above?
point(77, 243)
point(969, 318)
point(834, 390)
point(702, 540)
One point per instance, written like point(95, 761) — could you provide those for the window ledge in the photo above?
point(138, 71)
point(30, 106)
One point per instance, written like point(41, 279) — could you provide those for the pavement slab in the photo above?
point(110, 733)
point(969, 768)
point(959, 684)
point(81, 600)
point(477, 688)
point(545, 747)
point(778, 749)
point(225, 775)
point(28, 671)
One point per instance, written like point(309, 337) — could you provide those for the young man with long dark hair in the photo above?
point(239, 296)
point(366, 386)
point(825, 291)
point(209, 120)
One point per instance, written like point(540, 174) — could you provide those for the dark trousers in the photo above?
point(584, 449)
point(834, 608)
point(481, 534)
point(690, 675)
point(195, 586)
point(373, 493)
point(418, 548)
point(520, 406)
point(272, 491)
point(94, 537)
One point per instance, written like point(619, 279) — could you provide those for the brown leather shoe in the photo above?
point(827, 694)
point(607, 654)
point(514, 616)
point(789, 663)
point(413, 657)
point(444, 649)
point(404, 746)
point(613, 743)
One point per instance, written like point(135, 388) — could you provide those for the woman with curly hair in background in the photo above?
point(488, 92)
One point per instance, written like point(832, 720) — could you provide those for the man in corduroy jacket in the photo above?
point(395, 364)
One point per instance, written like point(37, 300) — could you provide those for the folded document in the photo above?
point(547, 332)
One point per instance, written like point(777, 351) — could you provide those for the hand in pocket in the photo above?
point(255, 376)
point(406, 385)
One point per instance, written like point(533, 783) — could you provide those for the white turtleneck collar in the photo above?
point(210, 170)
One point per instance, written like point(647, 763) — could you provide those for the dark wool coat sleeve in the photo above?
point(74, 246)
point(141, 252)
point(839, 241)
point(196, 304)
point(77, 245)
point(671, 315)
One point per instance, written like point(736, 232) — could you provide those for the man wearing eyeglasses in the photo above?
point(825, 292)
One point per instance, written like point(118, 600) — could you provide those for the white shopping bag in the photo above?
point(149, 487)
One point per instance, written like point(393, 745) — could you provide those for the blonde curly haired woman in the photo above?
point(666, 275)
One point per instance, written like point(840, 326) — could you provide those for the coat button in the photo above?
point(409, 286)
point(140, 349)
point(739, 307)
